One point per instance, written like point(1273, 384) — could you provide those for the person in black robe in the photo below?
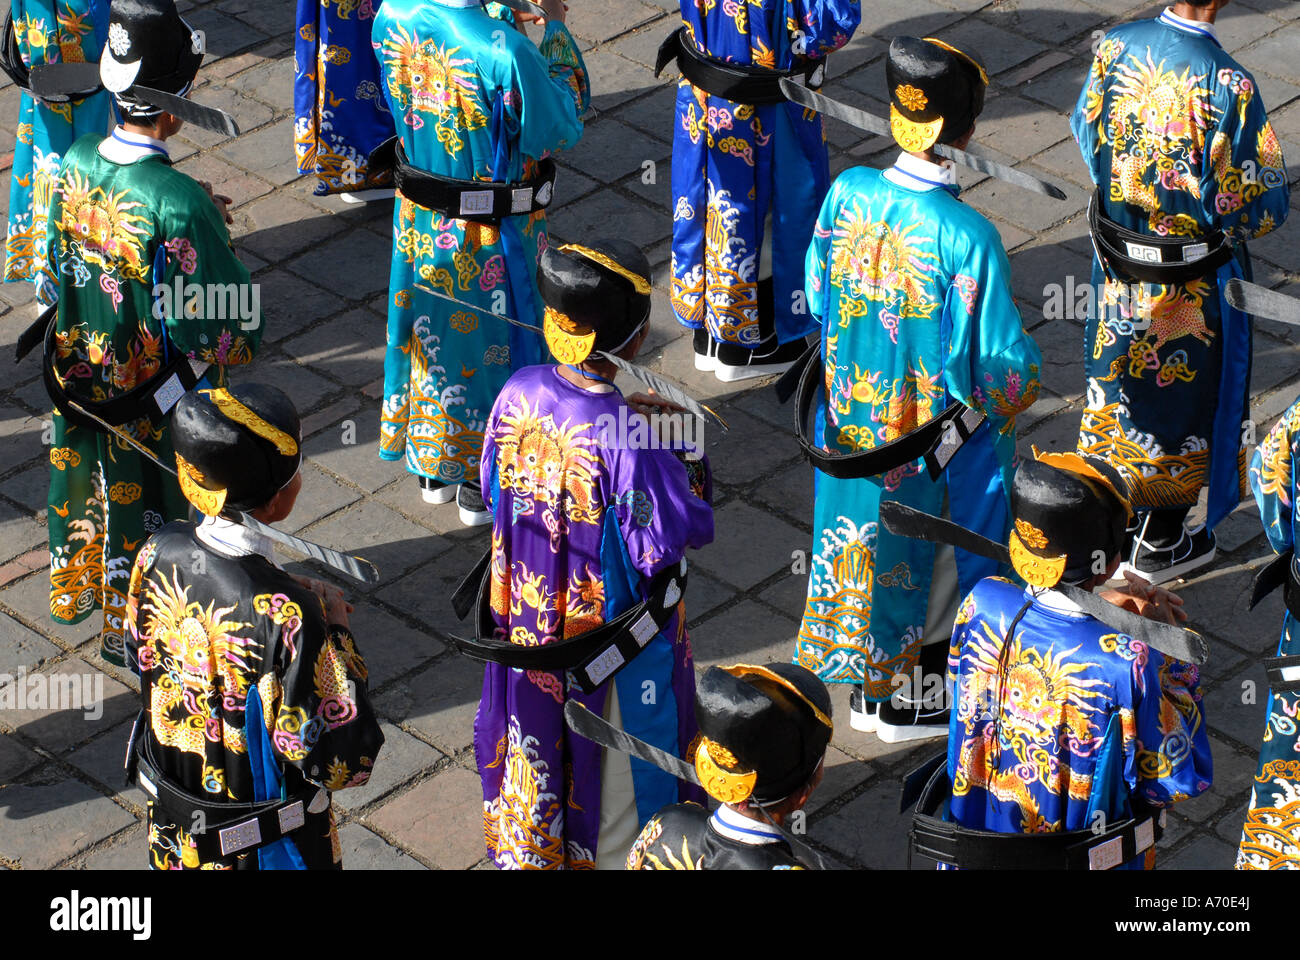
point(253, 691)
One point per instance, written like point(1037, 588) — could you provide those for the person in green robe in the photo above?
point(145, 274)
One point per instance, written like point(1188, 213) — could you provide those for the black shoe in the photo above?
point(740, 363)
point(914, 713)
point(1160, 564)
point(473, 511)
point(706, 350)
point(863, 713)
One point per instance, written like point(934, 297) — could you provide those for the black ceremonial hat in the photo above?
point(150, 45)
point(1068, 510)
point(935, 91)
point(597, 296)
point(235, 448)
point(763, 730)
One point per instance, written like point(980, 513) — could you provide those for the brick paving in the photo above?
point(323, 268)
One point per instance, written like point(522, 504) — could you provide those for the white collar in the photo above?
point(121, 146)
point(1191, 26)
point(735, 826)
point(1055, 601)
point(911, 171)
point(235, 540)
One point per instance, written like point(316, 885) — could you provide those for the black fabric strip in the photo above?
point(1110, 239)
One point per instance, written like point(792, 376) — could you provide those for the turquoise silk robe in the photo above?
point(912, 291)
point(49, 31)
point(472, 98)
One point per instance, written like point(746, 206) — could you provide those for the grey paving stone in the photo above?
point(1203, 853)
point(358, 462)
point(1051, 24)
point(19, 533)
point(999, 49)
point(602, 20)
point(438, 704)
point(103, 760)
point(363, 850)
point(1218, 601)
point(745, 633)
point(570, 188)
point(31, 487)
point(440, 819)
point(790, 492)
point(615, 79)
point(391, 649)
point(44, 825)
point(333, 264)
point(401, 759)
point(704, 595)
point(268, 152)
point(290, 303)
point(129, 851)
point(1060, 88)
point(58, 730)
point(749, 545)
point(281, 225)
point(1043, 274)
point(654, 114)
point(869, 830)
point(593, 217)
point(224, 35)
point(350, 347)
point(911, 18)
point(321, 495)
point(1229, 715)
point(15, 759)
point(750, 450)
point(1059, 432)
point(1273, 55)
point(840, 774)
point(1064, 160)
point(425, 593)
point(387, 539)
point(22, 647)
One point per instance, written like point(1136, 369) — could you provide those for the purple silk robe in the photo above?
point(581, 522)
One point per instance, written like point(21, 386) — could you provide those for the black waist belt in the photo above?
point(1280, 571)
point(1133, 256)
point(220, 830)
point(153, 399)
point(482, 201)
point(739, 84)
point(11, 63)
point(968, 849)
point(937, 440)
point(591, 657)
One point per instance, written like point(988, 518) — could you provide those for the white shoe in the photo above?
point(432, 492)
point(863, 713)
point(367, 196)
point(705, 349)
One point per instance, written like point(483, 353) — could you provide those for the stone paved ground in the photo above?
point(323, 270)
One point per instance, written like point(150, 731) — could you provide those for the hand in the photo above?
point(1147, 600)
point(331, 597)
point(220, 201)
point(555, 10)
point(648, 403)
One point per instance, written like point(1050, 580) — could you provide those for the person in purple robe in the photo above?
point(594, 498)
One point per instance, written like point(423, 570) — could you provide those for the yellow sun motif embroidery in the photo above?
point(424, 77)
point(880, 263)
point(553, 465)
point(105, 225)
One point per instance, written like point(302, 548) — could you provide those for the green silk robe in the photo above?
point(116, 228)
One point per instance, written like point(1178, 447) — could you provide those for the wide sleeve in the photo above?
point(993, 363)
point(818, 27)
point(219, 319)
point(1273, 482)
point(324, 723)
point(659, 514)
point(552, 93)
point(1171, 760)
point(1244, 183)
point(816, 274)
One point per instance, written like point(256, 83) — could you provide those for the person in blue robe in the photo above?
point(1175, 136)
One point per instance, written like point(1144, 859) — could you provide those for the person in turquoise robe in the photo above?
point(473, 99)
point(911, 288)
point(49, 31)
